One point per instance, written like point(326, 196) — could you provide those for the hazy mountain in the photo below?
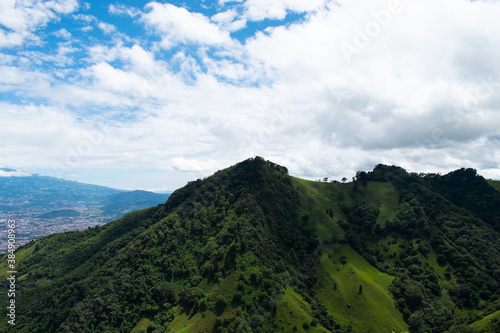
point(125, 202)
point(37, 190)
point(39, 203)
point(253, 249)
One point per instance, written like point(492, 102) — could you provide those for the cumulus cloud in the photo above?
point(178, 25)
point(63, 33)
point(106, 27)
point(22, 20)
point(197, 165)
point(347, 86)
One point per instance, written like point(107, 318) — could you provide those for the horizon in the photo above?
point(152, 96)
point(16, 173)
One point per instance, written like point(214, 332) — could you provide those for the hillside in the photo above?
point(254, 249)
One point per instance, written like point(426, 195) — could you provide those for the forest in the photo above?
point(253, 249)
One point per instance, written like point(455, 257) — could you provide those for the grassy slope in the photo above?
point(199, 323)
point(293, 313)
point(373, 310)
point(21, 255)
point(490, 323)
point(495, 184)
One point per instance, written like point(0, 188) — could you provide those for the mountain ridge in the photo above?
point(253, 249)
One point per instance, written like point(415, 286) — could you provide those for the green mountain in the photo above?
point(254, 249)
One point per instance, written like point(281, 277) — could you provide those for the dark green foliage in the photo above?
point(448, 217)
point(244, 218)
point(465, 188)
point(230, 246)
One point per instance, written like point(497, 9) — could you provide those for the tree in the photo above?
point(354, 185)
point(362, 176)
point(344, 180)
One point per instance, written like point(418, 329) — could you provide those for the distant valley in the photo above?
point(45, 205)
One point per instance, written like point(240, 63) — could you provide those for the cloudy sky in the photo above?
point(138, 94)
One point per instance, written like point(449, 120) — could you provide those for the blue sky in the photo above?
point(150, 95)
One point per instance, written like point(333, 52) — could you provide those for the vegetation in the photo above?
point(253, 249)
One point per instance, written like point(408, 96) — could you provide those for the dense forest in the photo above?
point(252, 249)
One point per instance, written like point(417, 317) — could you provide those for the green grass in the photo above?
point(373, 309)
point(316, 198)
point(495, 184)
point(490, 323)
point(293, 313)
point(199, 323)
point(93, 212)
point(21, 255)
point(142, 326)
point(226, 287)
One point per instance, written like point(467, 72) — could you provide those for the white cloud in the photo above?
point(121, 9)
point(115, 79)
point(15, 173)
point(87, 28)
point(423, 98)
point(178, 25)
point(197, 165)
point(84, 18)
point(22, 19)
point(258, 10)
point(106, 27)
point(229, 20)
point(63, 33)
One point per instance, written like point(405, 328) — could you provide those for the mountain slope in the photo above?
point(253, 249)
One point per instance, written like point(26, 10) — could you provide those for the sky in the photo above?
point(151, 95)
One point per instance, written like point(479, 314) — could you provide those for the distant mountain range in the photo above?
point(44, 205)
point(252, 249)
point(43, 190)
point(36, 190)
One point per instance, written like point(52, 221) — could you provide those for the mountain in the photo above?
point(40, 190)
point(39, 203)
point(125, 202)
point(254, 249)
